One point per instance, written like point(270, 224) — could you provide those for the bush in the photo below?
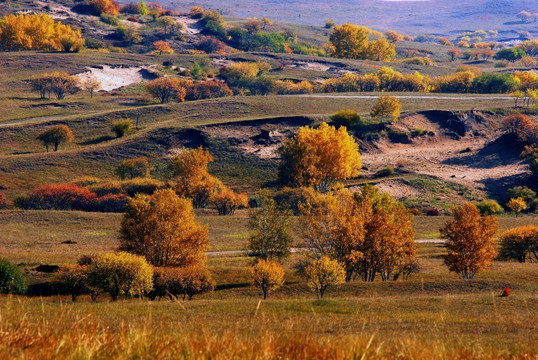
point(520, 243)
point(133, 168)
point(121, 127)
point(489, 207)
point(291, 197)
point(86, 181)
point(110, 19)
point(107, 188)
point(210, 44)
point(59, 197)
point(227, 201)
point(429, 211)
point(56, 135)
point(141, 186)
point(72, 281)
point(120, 273)
point(521, 191)
point(323, 273)
point(501, 64)
point(347, 118)
point(109, 203)
point(418, 60)
point(494, 83)
point(12, 280)
point(388, 171)
point(207, 90)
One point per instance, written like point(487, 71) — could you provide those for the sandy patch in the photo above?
point(114, 77)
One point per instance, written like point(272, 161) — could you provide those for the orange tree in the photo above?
point(319, 157)
point(190, 177)
point(166, 88)
point(470, 241)
point(227, 201)
point(163, 230)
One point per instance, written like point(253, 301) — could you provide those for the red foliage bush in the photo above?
point(210, 44)
point(432, 212)
point(130, 8)
point(507, 291)
point(72, 197)
point(132, 19)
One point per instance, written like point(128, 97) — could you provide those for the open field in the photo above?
point(433, 315)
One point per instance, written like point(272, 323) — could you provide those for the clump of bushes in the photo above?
point(121, 127)
point(419, 60)
point(12, 280)
point(347, 118)
point(175, 282)
point(489, 207)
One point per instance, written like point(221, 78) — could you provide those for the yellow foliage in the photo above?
point(520, 243)
point(267, 275)
point(386, 106)
point(227, 201)
point(470, 241)
point(517, 205)
point(318, 157)
point(163, 230)
point(323, 273)
point(37, 32)
point(351, 42)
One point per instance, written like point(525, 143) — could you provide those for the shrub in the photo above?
point(501, 64)
point(207, 90)
point(133, 168)
point(521, 191)
point(494, 83)
point(72, 280)
point(388, 171)
point(109, 203)
point(106, 188)
point(267, 275)
point(489, 207)
point(12, 280)
point(418, 60)
point(121, 127)
point(195, 279)
point(429, 211)
point(109, 19)
point(347, 118)
point(227, 201)
point(120, 273)
point(141, 186)
point(324, 273)
point(292, 197)
point(128, 34)
point(86, 181)
point(510, 54)
point(506, 292)
point(104, 7)
point(210, 44)
point(165, 88)
point(59, 197)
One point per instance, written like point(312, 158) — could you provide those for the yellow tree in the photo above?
point(162, 47)
point(381, 50)
point(191, 178)
point(393, 36)
point(319, 157)
point(470, 239)
point(164, 230)
point(334, 226)
point(517, 205)
point(349, 41)
point(323, 273)
point(227, 201)
point(267, 275)
point(387, 106)
point(520, 243)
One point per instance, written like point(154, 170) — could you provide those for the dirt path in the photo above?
point(435, 97)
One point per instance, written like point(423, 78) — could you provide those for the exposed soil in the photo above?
point(112, 77)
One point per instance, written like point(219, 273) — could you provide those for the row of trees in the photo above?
point(37, 32)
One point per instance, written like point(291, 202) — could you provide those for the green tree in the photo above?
point(143, 9)
point(12, 280)
point(270, 238)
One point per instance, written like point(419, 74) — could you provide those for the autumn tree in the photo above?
point(73, 280)
point(270, 236)
point(253, 25)
point(133, 168)
point(470, 239)
point(56, 83)
point(165, 88)
point(37, 32)
point(120, 273)
point(319, 156)
point(517, 205)
point(166, 22)
point(266, 22)
point(227, 201)
point(190, 177)
point(387, 107)
point(324, 273)
point(520, 243)
point(163, 230)
point(349, 42)
point(91, 85)
point(453, 53)
point(381, 50)
point(104, 7)
point(143, 8)
point(389, 235)
point(267, 275)
point(393, 36)
point(162, 47)
point(56, 135)
point(334, 226)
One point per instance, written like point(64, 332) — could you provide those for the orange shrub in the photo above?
point(207, 90)
point(228, 201)
point(105, 7)
point(3, 202)
point(59, 197)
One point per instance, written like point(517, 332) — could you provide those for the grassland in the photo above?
point(433, 315)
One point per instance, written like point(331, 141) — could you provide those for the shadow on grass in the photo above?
point(97, 140)
point(232, 286)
